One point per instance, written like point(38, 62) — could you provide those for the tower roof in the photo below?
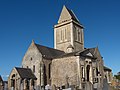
point(66, 15)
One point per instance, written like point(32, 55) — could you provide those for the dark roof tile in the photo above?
point(73, 15)
point(81, 52)
point(25, 73)
point(107, 69)
point(49, 53)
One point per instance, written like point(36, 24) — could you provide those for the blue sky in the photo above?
point(24, 20)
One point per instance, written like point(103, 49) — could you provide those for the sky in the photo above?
point(22, 21)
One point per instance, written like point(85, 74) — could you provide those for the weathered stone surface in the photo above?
point(32, 59)
point(62, 68)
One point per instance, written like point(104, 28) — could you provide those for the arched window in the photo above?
point(88, 72)
point(13, 81)
point(76, 34)
point(65, 32)
point(61, 35)
point(45, 76)
point(49, 71)
point(27, 67)
point(93, 72)
point(82, 72)
point(33, 68)
point(97, 72)
point(79, 35)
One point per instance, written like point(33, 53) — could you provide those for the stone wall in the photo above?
point(32, 60)
point(17, 79)
point(64, 70)
point(63, 37)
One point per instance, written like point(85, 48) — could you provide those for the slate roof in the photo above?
point(81, 53)
point(49, 53)
point(89, 50)
point(92, 50)
point(107, 69)
point(25, 73)
point(72, 15)
point(67, 54)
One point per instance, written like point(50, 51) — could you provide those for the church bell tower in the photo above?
point(68, 33)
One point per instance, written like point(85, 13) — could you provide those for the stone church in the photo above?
point(67, 65)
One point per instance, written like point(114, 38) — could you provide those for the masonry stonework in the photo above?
point(64, 68)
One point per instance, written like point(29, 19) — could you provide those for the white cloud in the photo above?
point(4, 76)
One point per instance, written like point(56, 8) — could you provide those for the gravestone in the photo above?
point(48, 87)
point(53, 87)
point(105, 85)
point(67, 89)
